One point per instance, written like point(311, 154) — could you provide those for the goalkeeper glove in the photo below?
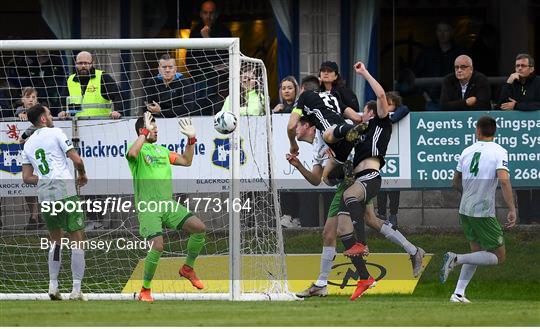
point(186, 128)
point(148, 124)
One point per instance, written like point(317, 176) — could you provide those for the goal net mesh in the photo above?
point(115, 250)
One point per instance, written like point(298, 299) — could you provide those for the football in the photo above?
point(225, 122)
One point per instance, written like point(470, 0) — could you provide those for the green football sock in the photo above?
point(150, 265)
point(194, 246)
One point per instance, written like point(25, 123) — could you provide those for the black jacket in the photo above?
point(526, 94)
point(176, 99)
point(478, 87)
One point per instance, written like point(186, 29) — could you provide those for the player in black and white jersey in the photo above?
point(323, 109)
point(368, 161)
point(339, 221)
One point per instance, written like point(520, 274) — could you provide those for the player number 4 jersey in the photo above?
point(479, 164)
point(46, 151)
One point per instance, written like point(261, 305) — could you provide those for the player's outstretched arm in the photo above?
point(313, 177)
point(382, 104)
point(28, 174)
point(79, 166)
point(456, 182)
point(185, 159)
point(506, 187)
point(291, 132)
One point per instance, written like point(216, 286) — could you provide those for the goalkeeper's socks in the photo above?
point(150, 265)
point(396, 237)
point(341, 130)
point(357, 210)
point(477, 258)
point(77, 268)
point(327, 259)
point(55, 262)
point(194, 246)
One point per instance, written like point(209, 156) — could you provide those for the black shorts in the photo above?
point(370, 180)
point(341, 149)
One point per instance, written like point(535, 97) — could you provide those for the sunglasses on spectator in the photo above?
point(522, 65)
point(462, 67)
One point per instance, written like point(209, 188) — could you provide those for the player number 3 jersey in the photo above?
point(46, 151)
point(479, 164)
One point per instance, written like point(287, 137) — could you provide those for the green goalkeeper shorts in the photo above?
point(337, 206)
point(485, 230)
point(152, 220)
point(68, 221)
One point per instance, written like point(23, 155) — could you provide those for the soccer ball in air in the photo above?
point(225, 122)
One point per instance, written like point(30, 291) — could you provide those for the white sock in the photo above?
point(477, 258)
point(77, 268)
point(467, 272)
point(396, 237)
point(327, 259)
point(55, 262)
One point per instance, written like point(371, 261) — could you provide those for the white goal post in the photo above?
point(251, 240)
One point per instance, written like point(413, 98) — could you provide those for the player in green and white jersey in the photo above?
point(45, 163)
point(339, 221)
point(150, 166)
point(479, 169)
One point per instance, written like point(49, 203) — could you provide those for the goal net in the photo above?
point(229, 184)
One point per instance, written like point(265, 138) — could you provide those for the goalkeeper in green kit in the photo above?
point(150, 166)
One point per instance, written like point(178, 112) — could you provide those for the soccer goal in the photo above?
point(229, 185)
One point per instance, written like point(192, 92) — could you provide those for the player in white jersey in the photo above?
point(338, 221)
point(45, 164)
point(480, 167)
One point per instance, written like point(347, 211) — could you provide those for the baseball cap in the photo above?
point(331, 65)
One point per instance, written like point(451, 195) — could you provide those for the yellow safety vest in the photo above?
point(92, 103)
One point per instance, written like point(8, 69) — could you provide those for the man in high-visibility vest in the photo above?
point(92, 92)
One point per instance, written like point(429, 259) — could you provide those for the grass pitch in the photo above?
point(329, 311)
point(505, 295)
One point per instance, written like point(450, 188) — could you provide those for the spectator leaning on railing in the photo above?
point(169, 94)
point(91, 91)
point(465, 89)
point(522, 92)
point(522, 89)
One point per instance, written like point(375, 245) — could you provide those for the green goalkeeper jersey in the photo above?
point(152, 174)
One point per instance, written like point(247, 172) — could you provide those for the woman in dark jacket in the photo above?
point(331, 81)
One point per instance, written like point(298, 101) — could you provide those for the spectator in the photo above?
point(209, 68)
point(331, 81)
point(397, 112)
point(437, 61)
point(466, 89)
point(522, 92)
point(92, 91)
point(522, 89)
point(251, 99)
point(288, 92)
point(29, 98)
point(169, 94)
